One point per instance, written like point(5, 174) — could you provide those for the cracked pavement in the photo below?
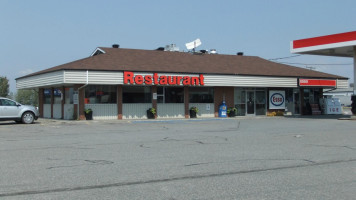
point(241, 158)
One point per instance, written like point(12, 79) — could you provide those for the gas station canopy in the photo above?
point(341, 44)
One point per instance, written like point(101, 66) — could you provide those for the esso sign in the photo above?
point(276, 99)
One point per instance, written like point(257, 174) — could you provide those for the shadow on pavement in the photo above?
point(320, 116)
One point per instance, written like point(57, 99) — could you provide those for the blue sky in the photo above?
point(36, 34)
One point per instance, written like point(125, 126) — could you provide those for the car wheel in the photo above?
point(28, 118)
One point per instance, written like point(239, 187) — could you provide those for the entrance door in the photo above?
point(250, 102)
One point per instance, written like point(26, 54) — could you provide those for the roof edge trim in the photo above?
point(97, 51)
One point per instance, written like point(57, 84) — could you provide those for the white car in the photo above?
point(11, 110)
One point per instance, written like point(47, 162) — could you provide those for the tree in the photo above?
point(4, 86)
point(28, 97)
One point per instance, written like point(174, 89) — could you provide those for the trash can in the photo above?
point(222, 109)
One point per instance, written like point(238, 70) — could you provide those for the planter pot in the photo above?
point(150, 115)
point(192, 114)
point(89, 115)
point(231, 114)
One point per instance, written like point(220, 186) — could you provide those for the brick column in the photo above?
point(186, 102)
point(217, 100)
point(40, 101)
point(75, 88)
point(81, 95)
point(52, 101)
point(154, 101)
point(302, 101)
point(229, 96)
point(63, 101)
point(219, 93)
point(119, 102)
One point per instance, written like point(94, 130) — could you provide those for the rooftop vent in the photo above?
point(213, 51)
point(171, 47)
point(240, 53)
point(160, 49)
point(115, 46)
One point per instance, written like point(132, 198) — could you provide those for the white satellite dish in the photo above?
point(193, 45)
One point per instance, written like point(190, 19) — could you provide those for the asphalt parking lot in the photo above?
point(241, 158)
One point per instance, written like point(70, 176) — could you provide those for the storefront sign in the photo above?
point(131, 78)
point(317, 82)
point(276, 99)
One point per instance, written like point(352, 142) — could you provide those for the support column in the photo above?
point(186, 102)
point(75, 88)
point(81, 94)
point(353, 98)
point(302, 101)
point(40, 101)
point(218, 97)
point(52, 101)
point(119, 102)
point(63, 101)
point(221, 94)
point(154, 101)
point(354, 71)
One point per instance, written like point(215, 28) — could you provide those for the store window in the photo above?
point(57, 96)
point(136, 94)
point(201, 95)
point(47, 96)
point(69, 95)
point(100, 94)
point(240, 101)
point(260, 102)
point(170, 95)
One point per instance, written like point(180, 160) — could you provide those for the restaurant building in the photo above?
point(118, 83)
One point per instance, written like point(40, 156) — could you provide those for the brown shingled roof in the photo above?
point(119, 59)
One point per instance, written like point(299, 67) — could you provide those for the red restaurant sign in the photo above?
point(317, 82)
point(131, 78)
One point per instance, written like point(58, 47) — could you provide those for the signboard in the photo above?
point(155, 79)
point(317, 82)
point(277, 99)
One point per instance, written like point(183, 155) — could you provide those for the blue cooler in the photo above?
point(223, 109)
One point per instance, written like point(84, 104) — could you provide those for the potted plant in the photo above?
point(151, 113)
point(88, 114)
point(231, 112)
point(193, 112)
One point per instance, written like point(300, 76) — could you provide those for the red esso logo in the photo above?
point(277, 99)
point(303, 81)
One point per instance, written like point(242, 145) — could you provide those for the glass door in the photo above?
point(250, 102)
